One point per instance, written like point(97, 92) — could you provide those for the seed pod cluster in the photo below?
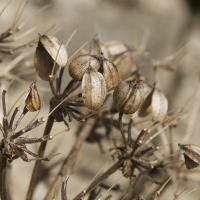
point(32, 102)
point(93, 88)
point(191, 155)
point(109, 71)
point(48, 50)
point(128, 96)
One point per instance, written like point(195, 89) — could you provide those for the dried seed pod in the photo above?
point(53, 45)
point(191, 154)
point(79, 64)
point(128, 96)
point(93, 88)
point(115, 48)
point(159, 106)
point(146, 106)
point(46, 52)
point(98, 47)
point(110, 74)
point(125, 64)
point(138, 77)
point(32, 101)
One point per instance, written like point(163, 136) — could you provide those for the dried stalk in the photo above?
point(41, 150)
point(4, 195)
point(69, 161)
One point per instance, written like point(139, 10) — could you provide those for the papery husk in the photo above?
point(146, 106)
point(125, 64)
point(79, 64)
point(93, 89)
point(32, 101)
point(191, 154)
point(159, 106)
point(128, 96)
point(53, 45)
point(114, 48)
point(110, 74)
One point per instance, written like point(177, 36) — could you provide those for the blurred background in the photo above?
point(163, 27)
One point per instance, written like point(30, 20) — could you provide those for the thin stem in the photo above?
point(122, 129)
point(68, 163)
point(36, 169)
point(20, 118)
point(3, 178)
point(4, 102)
point(59, 80)
point(13, 117)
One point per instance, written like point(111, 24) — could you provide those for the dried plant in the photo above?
point(113, 105)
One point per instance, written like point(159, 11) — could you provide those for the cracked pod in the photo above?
point(49, 47)
point(128, 96)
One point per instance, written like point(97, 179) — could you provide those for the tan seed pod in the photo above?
point(32, 101)
point(159, 106)
point(53, 45)
point(110, 74)
point(125, 64)
point(45, 55)
point(138, 77)
point(128, 96)
point(79, 64)
point(114, 48)
point(191, 154)
point(98, 47)
point(146, 106)
point(93, 89)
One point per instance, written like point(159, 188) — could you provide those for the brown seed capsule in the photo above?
point(79, 64)
point(125, 64)
point(32, 101)
point(110, 74)
point(159, 106)
point(93, 88)
point(191, 154)
point(46, 52)
point(98, 47)
point(128, 96)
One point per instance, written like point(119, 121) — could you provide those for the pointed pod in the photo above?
point(79, 64)
point(32, 101)
point(98, 47)
point(110, 74)
point(93, 89)
point(159, 106)
point(128, 96)
point(125, 64)
point(191, 155)
point(46, 53)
